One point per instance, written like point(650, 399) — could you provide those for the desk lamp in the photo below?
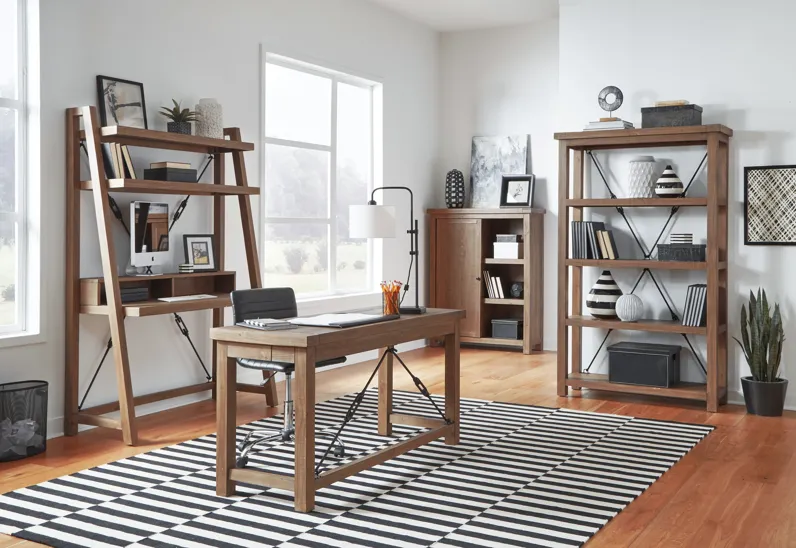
point(375, 221)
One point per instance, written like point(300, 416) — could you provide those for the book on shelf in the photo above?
point(499, 287)
point(128, 162)
point(601, 242)
point(107, 160)
point(614, 124)
point(590, 240)
point(695, 311)
point(488, 283)
point(170, 165)
point(118, 161)
point(612, 250)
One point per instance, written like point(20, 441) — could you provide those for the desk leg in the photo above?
point(226, 419)
point(452, 381)
point(385, 394)
point(304, 405)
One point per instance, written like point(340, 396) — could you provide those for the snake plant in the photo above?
point(762, 335)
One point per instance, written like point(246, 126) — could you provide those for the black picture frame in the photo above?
point(507, 201)
point(102, 82)
point(758, 234)
point(191, 240)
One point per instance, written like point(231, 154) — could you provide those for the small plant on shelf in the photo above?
point(181, 118)
point(762, 336)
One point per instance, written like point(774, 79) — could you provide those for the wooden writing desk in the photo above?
point(304, 346)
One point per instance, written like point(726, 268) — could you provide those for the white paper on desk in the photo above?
point(329, 320)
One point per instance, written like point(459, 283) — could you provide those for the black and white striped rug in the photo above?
point(522, 476)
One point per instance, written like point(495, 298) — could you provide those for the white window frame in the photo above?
point(335, 77)
point(19, 216)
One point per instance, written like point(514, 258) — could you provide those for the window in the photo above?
point(13, 121)
point(318, 150)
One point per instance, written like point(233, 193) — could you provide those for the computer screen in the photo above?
point(149, 233)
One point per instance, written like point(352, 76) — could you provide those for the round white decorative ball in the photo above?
point(629, 308)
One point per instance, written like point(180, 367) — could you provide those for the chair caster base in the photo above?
point(241, 462)
point(339, 452)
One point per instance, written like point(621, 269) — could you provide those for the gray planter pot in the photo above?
point(179, 127)
point(766, 399)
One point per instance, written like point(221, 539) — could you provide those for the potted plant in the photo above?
point(762, 335)
point(181, 118)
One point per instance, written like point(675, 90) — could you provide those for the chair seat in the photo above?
point(282, 367)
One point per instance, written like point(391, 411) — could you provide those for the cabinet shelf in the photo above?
point(638, 263)
point(595, 381)
point(492, 341)
point(514, 302)
point(504, 261)
point(147, 186)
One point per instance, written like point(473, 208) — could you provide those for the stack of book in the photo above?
point(118, 164)
point(696, 309)
point(608, 123)
point(134, 294)
point(494, 286)
point(590, 240)
point(185, 268)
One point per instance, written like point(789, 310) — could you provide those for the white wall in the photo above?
point(188, 49)
point(732, 58)
point(505, 82)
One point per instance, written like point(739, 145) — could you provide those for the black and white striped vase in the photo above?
point(601, 302)
point(669, 184)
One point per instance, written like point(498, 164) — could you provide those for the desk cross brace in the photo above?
point(355, 404)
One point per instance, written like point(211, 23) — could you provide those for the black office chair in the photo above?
point(276, 303)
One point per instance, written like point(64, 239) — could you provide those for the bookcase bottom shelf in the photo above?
point(596, 381)
point(491, 341)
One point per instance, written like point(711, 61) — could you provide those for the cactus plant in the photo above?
point(762, 336)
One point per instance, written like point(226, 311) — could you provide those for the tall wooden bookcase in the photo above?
point(573, 150)
point(101, 296)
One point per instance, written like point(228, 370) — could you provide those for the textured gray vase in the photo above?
point(210, 119)
point(641, 179)
point(601, 301)
point(454, 189)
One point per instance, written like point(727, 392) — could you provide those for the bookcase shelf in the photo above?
point(515, 302)
point(142, 186)
point(504, 261)
point(573, 150)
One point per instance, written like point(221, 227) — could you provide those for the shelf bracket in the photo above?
point(184, 330)
point(96, 372)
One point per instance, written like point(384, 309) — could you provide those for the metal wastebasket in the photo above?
point(23, 419)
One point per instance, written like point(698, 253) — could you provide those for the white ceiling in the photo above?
point(450, 15)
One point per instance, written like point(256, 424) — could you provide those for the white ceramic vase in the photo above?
point(210, 120)
point(629, 308)
point(641, 182)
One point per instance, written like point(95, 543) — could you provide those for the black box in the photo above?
point(507, 329)
point(682, 252)
point(644, 364)
point(672, 116)
point(174, 175)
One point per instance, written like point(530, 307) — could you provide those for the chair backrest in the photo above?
point(268, 302)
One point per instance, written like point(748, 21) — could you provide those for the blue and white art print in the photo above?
point(493, 157)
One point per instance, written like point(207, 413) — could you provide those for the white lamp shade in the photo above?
point(371, 221)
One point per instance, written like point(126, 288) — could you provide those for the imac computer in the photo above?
point(149, 235)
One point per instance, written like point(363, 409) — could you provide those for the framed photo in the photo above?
point(516, 191)
point(121, 102)
point(199, 251)
point(769, 215)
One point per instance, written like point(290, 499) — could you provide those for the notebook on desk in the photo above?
point(352, 319)
point(266, 324)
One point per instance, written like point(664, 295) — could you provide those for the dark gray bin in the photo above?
point(682, 252)
point(673, 116)
point(644, 364)
point(23, 419)
point(507, 329)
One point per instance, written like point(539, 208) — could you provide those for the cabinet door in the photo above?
point(458, 270)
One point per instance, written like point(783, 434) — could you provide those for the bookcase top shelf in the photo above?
point(150, 138)
point(637, 202)
point(644, 137)
point(168, 187)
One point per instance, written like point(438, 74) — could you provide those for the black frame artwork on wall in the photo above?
point(769, 212)
point(107, 117)
point(505, 187)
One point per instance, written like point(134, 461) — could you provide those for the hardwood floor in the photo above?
point(735, 489)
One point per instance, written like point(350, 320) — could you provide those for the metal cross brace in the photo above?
point(352, 409)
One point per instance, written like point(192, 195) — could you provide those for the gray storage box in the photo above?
point(673, 116)
point(507, 329)
point(644, 364)
point(682, 252)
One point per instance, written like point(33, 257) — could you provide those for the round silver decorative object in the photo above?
point(603, 98)
point(629, 308)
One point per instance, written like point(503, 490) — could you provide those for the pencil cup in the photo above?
point(390, 301)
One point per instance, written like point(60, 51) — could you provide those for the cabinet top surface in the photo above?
point(688, 133)
point(501, 212)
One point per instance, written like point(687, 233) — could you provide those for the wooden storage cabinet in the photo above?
point(460, 249)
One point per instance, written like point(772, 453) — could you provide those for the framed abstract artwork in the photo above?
point(491, 158)
point(516, 191)
point(121, 102)
point(770, 205)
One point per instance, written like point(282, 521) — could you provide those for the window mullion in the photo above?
point(332, 247)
